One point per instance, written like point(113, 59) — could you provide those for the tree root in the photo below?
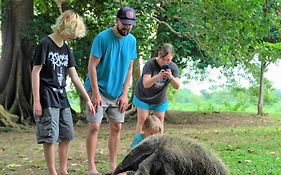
point(7, 119)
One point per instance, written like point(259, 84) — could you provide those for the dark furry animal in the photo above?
point(164, 155)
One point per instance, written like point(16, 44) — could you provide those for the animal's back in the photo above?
point(165, 155)
point(190, 157)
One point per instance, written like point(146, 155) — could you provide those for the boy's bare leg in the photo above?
point(91, 145)
point(63, 156)
point(49, 153)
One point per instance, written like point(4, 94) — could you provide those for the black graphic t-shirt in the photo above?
point(55, 60)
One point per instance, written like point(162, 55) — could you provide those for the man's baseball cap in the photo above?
point(127, 15)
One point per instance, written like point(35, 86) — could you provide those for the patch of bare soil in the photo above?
point(215, 119)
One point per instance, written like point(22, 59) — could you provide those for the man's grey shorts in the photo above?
point(109, 109)
point(55, 125)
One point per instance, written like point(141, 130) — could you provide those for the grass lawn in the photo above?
point(248, 145)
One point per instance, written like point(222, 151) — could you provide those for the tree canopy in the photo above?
point(205, 33)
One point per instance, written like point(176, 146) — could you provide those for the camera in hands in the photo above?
point(165, 67)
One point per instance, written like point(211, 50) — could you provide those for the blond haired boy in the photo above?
point(53, 60)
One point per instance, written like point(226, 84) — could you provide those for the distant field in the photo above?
point(272, 110)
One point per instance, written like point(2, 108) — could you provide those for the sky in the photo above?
point(274, 75)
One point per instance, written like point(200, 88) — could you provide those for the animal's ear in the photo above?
point(137, 155)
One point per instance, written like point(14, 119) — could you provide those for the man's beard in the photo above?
point(123, 31)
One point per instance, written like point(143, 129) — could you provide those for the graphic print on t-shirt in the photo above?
point(160, 83)
point(59, 63)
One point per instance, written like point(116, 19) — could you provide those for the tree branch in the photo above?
point(178, 34)
point(185, 35)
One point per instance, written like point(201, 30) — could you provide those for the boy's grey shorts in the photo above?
point(55, 125)
point(109, 109)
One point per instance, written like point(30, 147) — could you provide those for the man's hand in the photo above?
point(96, 100)
point(122, 102)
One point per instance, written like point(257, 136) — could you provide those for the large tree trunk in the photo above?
point(15, 63)
point(261, 90)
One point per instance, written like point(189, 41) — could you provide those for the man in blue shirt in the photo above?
point(110, 69)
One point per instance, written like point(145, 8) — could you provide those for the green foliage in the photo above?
point(73, 97)
point(278, 94)
point(229, 99)
point(45, 14)
point(210, 32)
point(232, 29)
point(216, 33)
point(171, 24)
point(223, 33)
point(98, 15)
point(96, 19)
point(36, 33)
